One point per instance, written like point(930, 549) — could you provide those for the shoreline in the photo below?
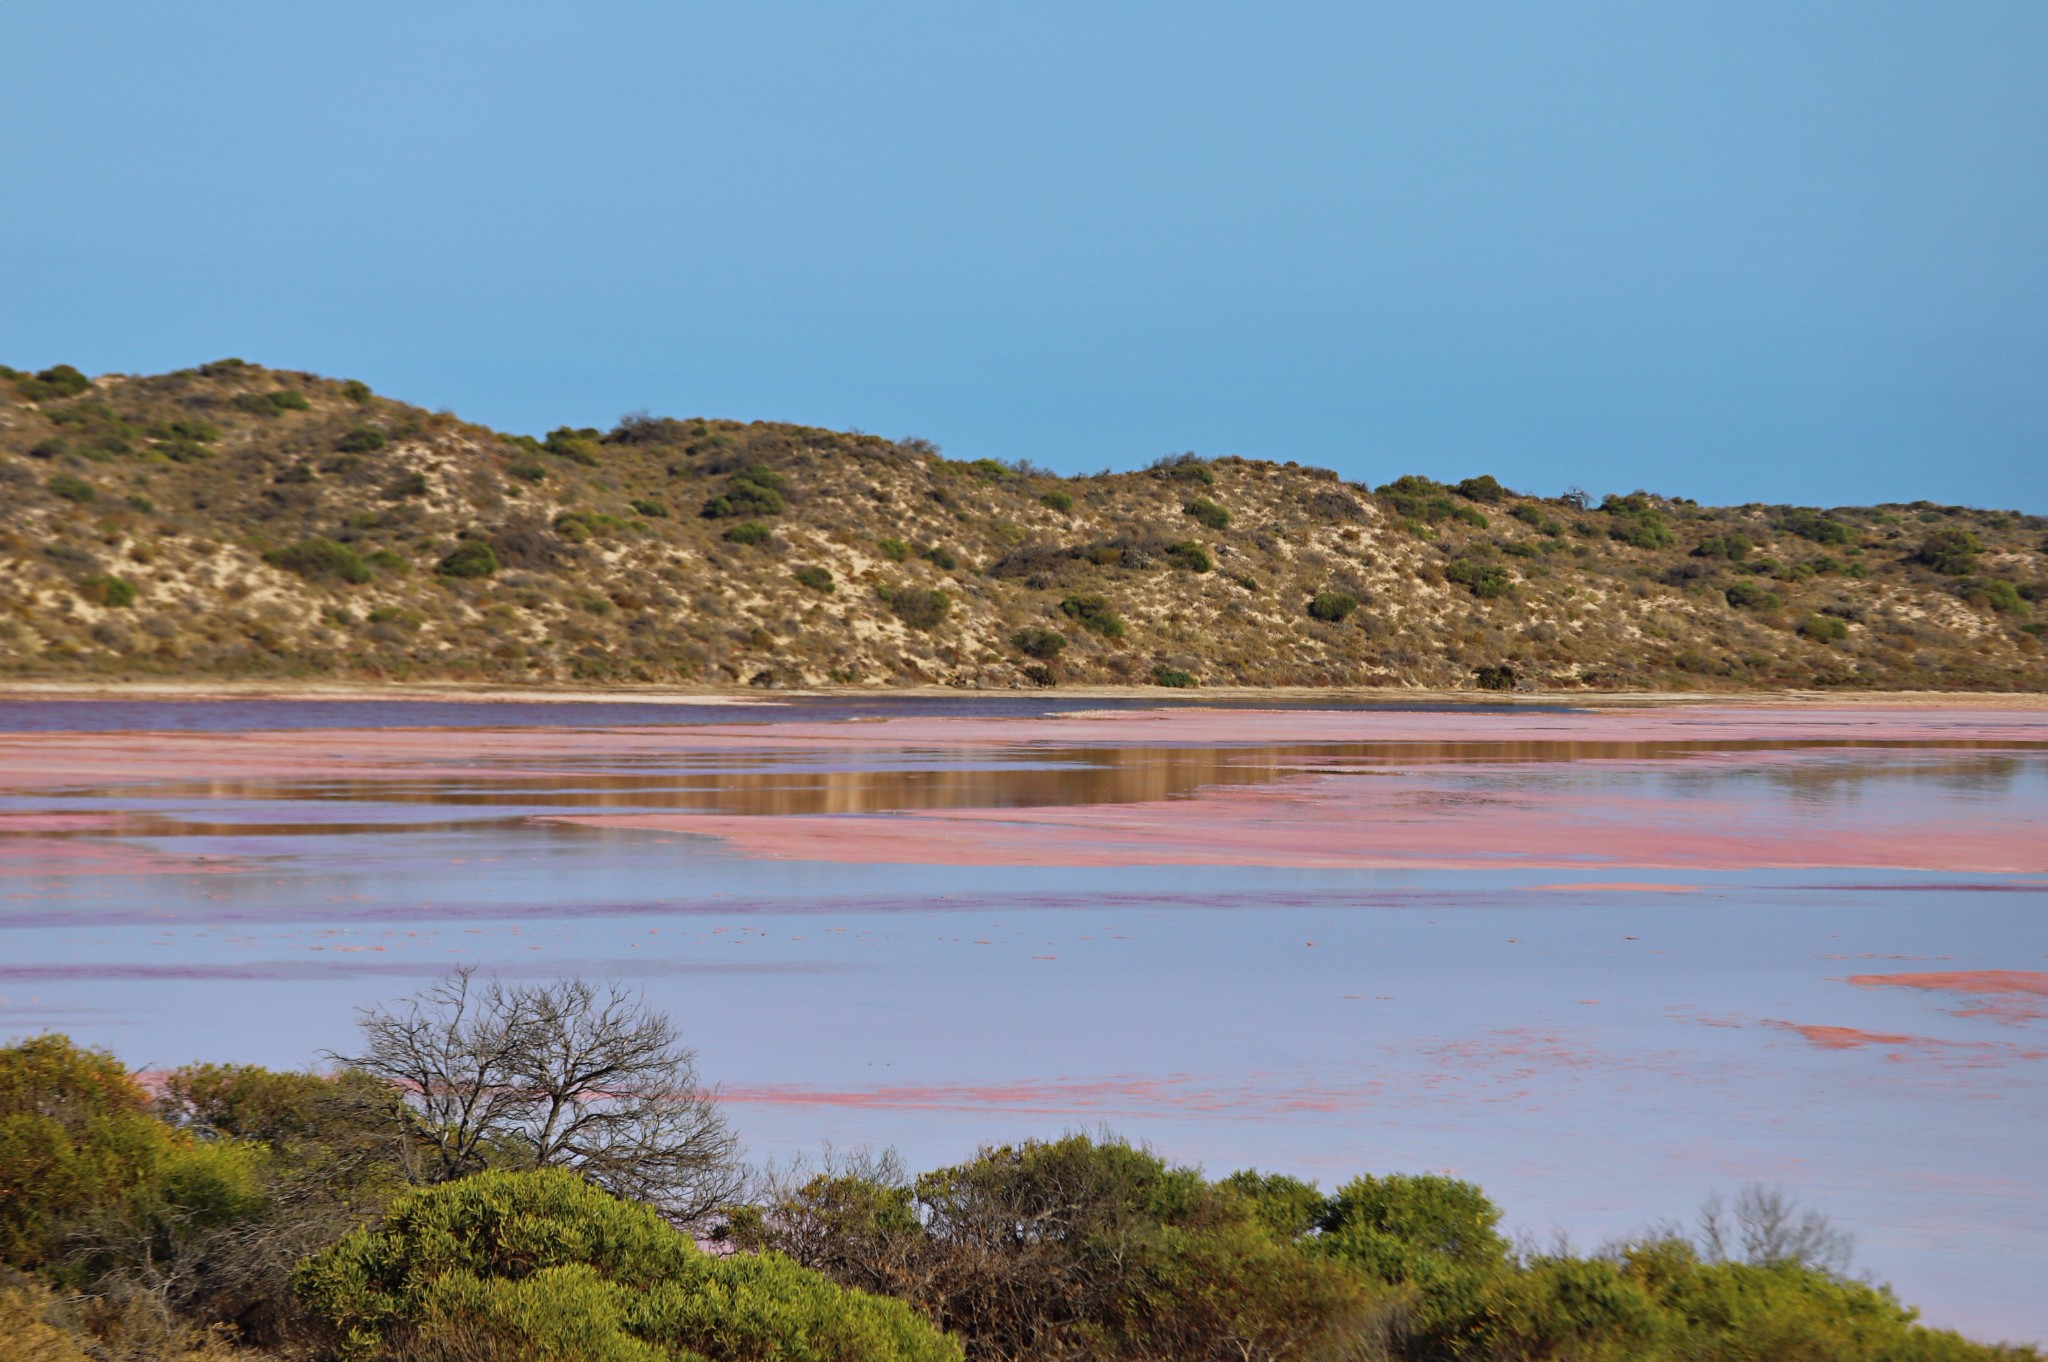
point(469, 692)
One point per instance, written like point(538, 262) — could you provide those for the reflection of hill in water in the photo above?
point(1018, 778)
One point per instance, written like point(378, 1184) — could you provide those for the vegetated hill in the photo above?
point(236, 521)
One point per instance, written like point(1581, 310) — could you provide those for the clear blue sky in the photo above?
point(1737, 251)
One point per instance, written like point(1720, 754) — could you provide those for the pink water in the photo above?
point(1602, 963)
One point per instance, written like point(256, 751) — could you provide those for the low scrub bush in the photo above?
point(1332, 607)
point(1172, 677)
point(70, 489)
point(920, 607)
point(1642, 530)
point(1058, 501)
point(1039, 642)
point(940, 557)
point(1499, 676)
point(895, 550)
point(55, 383)
point(1484, 488)
point(362, 440)
point(106, 589)
point(1811, 524)
point(746, 532)
point(576, 444)
point(1995, 594)
point(357, 391)
point(528, 470)
point(755, 490)
point(1208, 513)
point(1951, 552)
point(1183, 468)
point(471, 558)
point(653, 510)
point(1095, 614)
point(1750, 596)
point(1732, 546)
point(1824, 629)
point(1190, 555)
point(1487, 581)
point(272, 403)
point(321, 560)
point(818, 579)
point(1412, 497)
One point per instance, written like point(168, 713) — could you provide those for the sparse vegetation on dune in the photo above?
point(257, 521)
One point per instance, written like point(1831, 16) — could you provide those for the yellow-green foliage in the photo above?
point(549, 1266)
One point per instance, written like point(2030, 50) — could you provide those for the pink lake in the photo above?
point(1601, 962)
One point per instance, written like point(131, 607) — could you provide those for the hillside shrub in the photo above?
point(653, 510)
point(1058, 501)
point(320, 559)
point(362, 440)
point(471, 558)
point(1095, 614)
point(272, 403)
point(746, 532)
point(1171, 677)
point(70, 489)
point(1951, 552)
point(1039, 642)
point(405, 485)
point(52, 384)
point(1824, 629)
point(1996, 594)
point(895, 550)
point(1643, 530)
point(940, 557)
point(528, 470)
point(1208, 513)
point(1751, 596)
point(920, 607)
point(1499, 676)
point(818, 579)
point(1732, 546)
point(1487, 581)
point(755, 490)
point(1413, 497)
point(577, 444)
point(1187, 467)
point(1484, 488)
point(1470, 515)
point(52, 448)
point(107, 589)
point(543, 1265)
point(1811, 524)
point(1190, 555)
point(356, 391)
point(1332, 607)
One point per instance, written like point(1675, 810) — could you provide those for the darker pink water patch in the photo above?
point(2007, 995)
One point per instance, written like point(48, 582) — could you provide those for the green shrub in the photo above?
point(895, 550)
point(1247, 581)
point(1487, 581)
point(919, 607)
point(576, 444)
point(755, 490)
point(1499, 676)
point(1470, 515)
point(1951, 552)
point(320, 559)
point(1094, 614)
point(106, 589)
point(1998, 594)
point(1750, 596)
point(272, 403)
point(1811, 524)
point(1733, 546)
point(543, 1265)
point(580, 527)
point(746, 532)
point(361, 440)
point(816, 578)
point(70, 488)
point(52, 448)
point(1417, 498)
point(1058, 501)
point(1041, 643)
point(1332, 607)
point(988, 470)
point(394, 563)
point(404, 485)
point(940, 557)
point(528, 470)
point(1208, 513)
point(1163, 675)
point(1643, 530)
point(1484, 488)
point(1824, 629)
point(357, 391)
point(653, 510)
point(1183, 468)
point(469, 559)
point(52, 384)
point(188, 428)
point(1190, 555)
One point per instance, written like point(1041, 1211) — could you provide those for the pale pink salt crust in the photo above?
point(43, 760)
point(1351, 822)
point(2007, 995)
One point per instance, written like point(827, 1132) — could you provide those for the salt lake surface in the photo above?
point(1601, 963)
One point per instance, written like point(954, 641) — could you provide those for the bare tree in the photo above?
point(562, 1075)
point(1768, 1225)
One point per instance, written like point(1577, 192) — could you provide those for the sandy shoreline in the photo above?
point(15, 689)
